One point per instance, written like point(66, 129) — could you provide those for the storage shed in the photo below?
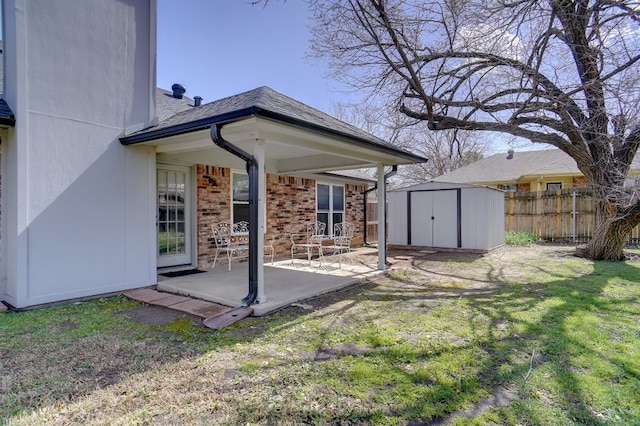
point(446, 215)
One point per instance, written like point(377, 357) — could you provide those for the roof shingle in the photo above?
point(501, 168)
point(262, 101)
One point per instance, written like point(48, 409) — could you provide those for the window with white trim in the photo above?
point(329, 205)
point(239, 197)
point(552, 186)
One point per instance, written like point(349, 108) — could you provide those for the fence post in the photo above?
point(538, 218)
point(558, 230)
point(573, 215)
point(511, 209)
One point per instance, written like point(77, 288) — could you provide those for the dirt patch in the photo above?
point(154, 315)
point(501, 397)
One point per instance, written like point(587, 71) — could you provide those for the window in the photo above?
point(508, 187)
point(329, 205)
point(552, 186)
point(239, 197)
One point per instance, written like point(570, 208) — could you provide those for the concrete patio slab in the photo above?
point(285, 283)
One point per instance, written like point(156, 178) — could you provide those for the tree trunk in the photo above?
point(610, 234)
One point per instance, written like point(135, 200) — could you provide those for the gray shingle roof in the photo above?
point(264, 102)
point(500, 168)
point(6, 115)
point(167, 105)
point(1, 67)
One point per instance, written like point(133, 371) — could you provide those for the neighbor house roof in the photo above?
point(266, 103)
point(506, 167)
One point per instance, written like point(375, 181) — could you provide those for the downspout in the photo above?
point(252, 171)
point(394, 170)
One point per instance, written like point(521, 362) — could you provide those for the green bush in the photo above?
point(520, 238)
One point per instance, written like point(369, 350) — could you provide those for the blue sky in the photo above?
point(224, 47)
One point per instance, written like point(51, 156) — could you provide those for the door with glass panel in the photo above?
point(174, 227)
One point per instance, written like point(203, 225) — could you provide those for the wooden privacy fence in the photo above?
point(563, 214)
point(372, 222)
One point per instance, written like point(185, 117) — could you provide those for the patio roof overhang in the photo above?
point(291, 146)
point(280, 144)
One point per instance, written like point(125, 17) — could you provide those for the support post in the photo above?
point(259, 155)
point(382, 219)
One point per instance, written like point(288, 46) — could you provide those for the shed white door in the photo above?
point(174, 224)
point(434, 219)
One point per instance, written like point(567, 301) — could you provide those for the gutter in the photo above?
point(252, 171)
point(394, 170)
point(191, 126)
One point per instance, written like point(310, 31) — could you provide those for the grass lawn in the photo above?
point(526, 335)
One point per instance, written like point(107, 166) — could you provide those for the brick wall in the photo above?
point(213, 205)
point(291, 203)
point(524, 187)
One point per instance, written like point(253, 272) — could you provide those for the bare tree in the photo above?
point(446, 150)
point(559, 72)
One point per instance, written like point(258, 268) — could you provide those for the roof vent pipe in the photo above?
point(178, 90)
point(510, 154)
point(252, 171)
point(197, 100)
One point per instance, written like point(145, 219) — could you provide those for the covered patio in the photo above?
point(268, 133)
point(285, 282)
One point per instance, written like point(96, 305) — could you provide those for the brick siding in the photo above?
point(291, 202)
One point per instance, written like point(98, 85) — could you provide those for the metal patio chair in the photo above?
point(308, 241)
point(233, 240)
point(342, 235)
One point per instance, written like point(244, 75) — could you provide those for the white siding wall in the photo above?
point(482, 218)
point(397, 218)
point(78, 74)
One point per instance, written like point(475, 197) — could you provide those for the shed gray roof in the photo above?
point(501, 168)
point(264, 102)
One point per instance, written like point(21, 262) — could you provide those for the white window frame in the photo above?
point(232, 202)
point(330, 211)
point(553, 183)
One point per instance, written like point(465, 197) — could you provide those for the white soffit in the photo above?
point(288, 148)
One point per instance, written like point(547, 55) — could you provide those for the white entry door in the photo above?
point(174, 215)
point(434, 219)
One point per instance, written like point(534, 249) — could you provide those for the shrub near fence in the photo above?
point(550, 214)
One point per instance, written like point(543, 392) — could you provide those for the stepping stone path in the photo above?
point(196, 307)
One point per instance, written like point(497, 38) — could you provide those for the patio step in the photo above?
point(196, 307)
point(225, 319)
